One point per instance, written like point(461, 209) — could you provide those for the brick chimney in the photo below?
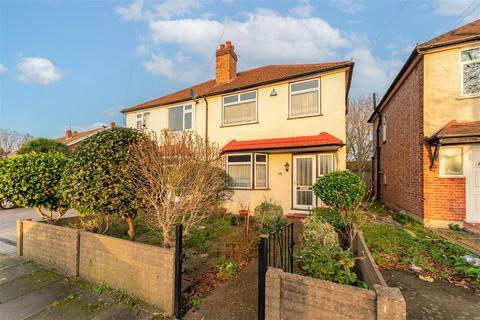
point(112, 124)
point(68, 134)
point(226, 63)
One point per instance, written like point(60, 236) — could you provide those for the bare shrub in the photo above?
point(179, 178)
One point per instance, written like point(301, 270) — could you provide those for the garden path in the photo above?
point(234, 300)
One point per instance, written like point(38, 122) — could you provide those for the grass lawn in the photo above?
point(404, 244)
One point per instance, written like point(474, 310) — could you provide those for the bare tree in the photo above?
point(11, 140)
point(359, 133)
point(178, 178)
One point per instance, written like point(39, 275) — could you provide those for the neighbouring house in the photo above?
point(427, 130)
point(280, 126)
point(73, 138)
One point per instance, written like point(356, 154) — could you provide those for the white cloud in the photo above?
point(347, 6)
point(133, 12)
point(3, 69)
point(451, 7)
point(172, 8)
point(304, 9)
point(38, 70)
point(261, 37)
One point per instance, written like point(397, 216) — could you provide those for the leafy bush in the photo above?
point(333, 264)
point(42, 145)
point(322, 256)
point(340, 190)
point(98, 181)
point(270, 217)
point(32, 181)
point(331, 217)
point(316, 230)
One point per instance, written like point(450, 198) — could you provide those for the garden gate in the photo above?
point(274, 250)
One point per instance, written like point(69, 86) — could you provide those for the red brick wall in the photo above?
point(401, 154)
point(445, 198)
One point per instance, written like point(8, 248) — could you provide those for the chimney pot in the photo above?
point(112, 124)
point(228, 43)
point(222, 46)
point(68, 134)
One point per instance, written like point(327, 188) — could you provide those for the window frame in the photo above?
point(255, 170)
point(318, 162)
point(140, 117)
point(384, 128)
point(440, 160)
point(241, 163)
point(462, 64)
point(290, 93)
point(183, 116)
point(239, 102)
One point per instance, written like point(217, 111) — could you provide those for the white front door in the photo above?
point(304, 176)
point(476, 185)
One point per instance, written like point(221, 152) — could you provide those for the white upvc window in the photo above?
point(470, 72)
point(261, 171)
point(384, 128)
point(239, 168)
point(451, 162)
point(304, 98)
point(248, 170)
point(143, 120)
point(325, 164)
point(239, 108)
point(180, 118)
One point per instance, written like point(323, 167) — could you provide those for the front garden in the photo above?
point(399, 242)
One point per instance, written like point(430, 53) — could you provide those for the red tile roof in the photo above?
point(245, 79)
point(459, 129)
point(323, 139)
point(463, 33)
point(79, 136)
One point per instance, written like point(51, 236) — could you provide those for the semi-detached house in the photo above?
point(280, 126)
point(428, 132)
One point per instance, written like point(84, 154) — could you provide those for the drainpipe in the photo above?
point(377, 153)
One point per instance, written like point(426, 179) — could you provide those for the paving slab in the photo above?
point(438, 300)
point(8, 261)
point(35, 301)
point(23, 285)
point(9, 274)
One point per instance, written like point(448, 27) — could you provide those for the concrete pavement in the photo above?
point(8, 224)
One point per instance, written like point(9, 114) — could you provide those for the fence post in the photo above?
point(262, 270)
point(178, 270)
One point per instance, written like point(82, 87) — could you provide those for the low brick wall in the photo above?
point(291, 296)
point(295, 297)
point(49, 245)
point(147, 272)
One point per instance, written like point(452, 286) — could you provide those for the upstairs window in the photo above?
point(470, 60)
point(451, 162)
point(304, 98)
point(143, 120)
point(240, 108)
point(180, 118)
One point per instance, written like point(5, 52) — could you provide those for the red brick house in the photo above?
point(427, 132)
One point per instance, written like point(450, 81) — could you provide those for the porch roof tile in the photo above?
point(322, 139)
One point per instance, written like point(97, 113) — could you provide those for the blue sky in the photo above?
point(77, 63)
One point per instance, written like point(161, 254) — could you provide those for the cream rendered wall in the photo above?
point(273, 122)
point(442, 90)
